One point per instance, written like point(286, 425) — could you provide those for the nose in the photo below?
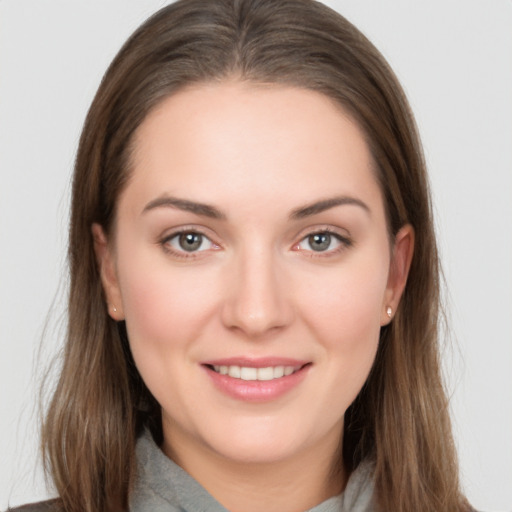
point(257, 299)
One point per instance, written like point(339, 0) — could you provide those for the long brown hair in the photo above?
point(100, 405)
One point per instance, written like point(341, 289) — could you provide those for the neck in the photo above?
point(293, 484)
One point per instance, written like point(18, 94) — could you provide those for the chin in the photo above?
point(256, 451)
point(263, 441)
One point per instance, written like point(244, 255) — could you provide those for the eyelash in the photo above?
point(345, 243)
point(183, 254)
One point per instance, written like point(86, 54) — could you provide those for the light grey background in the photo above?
point(454, 59)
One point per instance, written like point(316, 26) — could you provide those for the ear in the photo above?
point(106, 265)
point(399, 266)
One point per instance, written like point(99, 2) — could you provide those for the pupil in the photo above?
point(320, 241)
point(190, 241)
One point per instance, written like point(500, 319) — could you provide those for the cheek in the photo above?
point(344, 316)
point(166, 309)
point(349, 298)
point(164, 306)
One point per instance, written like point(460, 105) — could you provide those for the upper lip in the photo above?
point(256, 362)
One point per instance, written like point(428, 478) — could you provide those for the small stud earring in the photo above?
point(389, 311)
point(114, 309)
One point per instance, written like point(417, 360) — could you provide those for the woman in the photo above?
point(254, 277)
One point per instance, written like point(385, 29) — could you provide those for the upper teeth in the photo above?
point(248, 373)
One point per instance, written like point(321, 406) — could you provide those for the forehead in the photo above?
point(219, 141)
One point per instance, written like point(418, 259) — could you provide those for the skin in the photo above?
point(256, 287)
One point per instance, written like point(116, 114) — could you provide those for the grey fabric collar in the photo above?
point(162, 486)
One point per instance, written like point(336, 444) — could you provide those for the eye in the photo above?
point(189, 241)
point(323, 241)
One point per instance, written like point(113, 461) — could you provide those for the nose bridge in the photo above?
point(257, 302)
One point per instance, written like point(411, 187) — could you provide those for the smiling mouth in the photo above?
point(255, 374)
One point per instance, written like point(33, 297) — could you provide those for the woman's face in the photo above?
point(252, 265)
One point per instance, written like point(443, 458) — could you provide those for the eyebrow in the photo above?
point(327, 204)
point(210, 211)
point(203, 209)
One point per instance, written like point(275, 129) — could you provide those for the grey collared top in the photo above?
point(162, 486)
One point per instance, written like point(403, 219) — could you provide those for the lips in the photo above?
point(256, 380)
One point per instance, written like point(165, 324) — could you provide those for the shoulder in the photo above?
point(40, 506)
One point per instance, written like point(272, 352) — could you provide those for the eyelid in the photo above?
point(344, 238)
point(342, 233)
point(164, 239)
point(186, 228)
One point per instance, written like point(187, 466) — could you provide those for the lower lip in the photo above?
point(257, 390)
